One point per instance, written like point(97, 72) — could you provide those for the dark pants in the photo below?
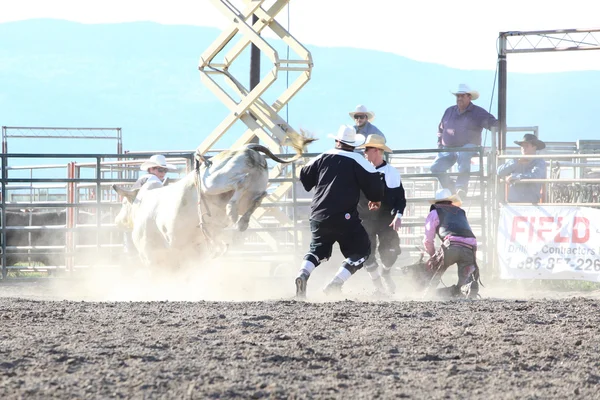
point(349, 234)
point(464, 258)
point(450, 254)
point(388, 247)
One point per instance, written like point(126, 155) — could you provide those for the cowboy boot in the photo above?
point(334, 287)
point(388, 280)
point(301, 282)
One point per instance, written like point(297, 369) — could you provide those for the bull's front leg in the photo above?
point(232, 207)
point(243, 223)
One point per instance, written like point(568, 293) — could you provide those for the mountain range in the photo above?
point(143, 77)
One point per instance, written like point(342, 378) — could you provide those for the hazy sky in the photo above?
point(458, 34)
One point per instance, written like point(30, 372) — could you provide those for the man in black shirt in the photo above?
point(338, 176)
point(382, 223)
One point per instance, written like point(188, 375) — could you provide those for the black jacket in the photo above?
point(338, 177)
point(394, 198)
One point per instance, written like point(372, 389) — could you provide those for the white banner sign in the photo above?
point(536, 242)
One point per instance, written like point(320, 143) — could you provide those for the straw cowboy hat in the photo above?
point(446, 195)
point(157, 160)
point(376, 141)
point(360, 109)
point(528, 137)
point(463, 88)
point(347, 135)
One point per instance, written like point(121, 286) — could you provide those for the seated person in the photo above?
point(516, 169)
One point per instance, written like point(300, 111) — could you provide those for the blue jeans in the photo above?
point(445, 160)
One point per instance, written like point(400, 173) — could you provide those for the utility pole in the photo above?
point(254, 68)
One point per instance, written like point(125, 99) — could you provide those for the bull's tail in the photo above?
point(297, 140)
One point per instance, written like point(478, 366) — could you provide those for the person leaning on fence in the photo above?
point(156, 169)
point(459, 245)
point(461, 126)
point(382, 223)
point(525, 168)
point(338, 176)
point(363, 118)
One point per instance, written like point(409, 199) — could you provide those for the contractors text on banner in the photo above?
point(537, 242)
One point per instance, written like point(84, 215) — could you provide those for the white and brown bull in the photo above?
point(164, 221)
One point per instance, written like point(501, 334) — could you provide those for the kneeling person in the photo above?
point(459, 245)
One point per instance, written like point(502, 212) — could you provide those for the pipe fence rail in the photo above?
point(80, 190)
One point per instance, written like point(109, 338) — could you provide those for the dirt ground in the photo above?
point(216, 336)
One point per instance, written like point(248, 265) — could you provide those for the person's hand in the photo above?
point(374, 205)
point(512, 178)
point(396, 223)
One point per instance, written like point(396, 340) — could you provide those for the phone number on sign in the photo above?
point(577, 264)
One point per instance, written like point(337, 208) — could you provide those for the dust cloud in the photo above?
point(238, 280)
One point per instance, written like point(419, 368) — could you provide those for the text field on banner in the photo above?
point(537, 242)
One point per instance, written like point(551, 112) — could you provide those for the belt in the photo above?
point(448, 243)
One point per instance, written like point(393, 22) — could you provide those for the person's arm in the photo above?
point(431, 223)
point(440, 132)
point(309, 173)
point(507, 168)
point(489, 121)
point(537, 171)
point(395, 189)
point(399, 196)
point(439, 135)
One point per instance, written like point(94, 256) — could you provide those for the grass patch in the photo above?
point(571, 285)
point(18, 273)
point(552, 285)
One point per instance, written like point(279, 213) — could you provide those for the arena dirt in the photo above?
point(230, 332)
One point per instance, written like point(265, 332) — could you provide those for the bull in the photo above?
point(164, 221)
point(425, 276)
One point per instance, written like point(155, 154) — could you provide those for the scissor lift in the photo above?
point(261, 118)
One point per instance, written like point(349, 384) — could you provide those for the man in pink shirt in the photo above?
point(449, 222)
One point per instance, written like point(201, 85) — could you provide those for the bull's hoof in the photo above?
point(221, 249)
point(241, 225)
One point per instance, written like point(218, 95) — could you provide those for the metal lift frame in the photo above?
point(536, 42)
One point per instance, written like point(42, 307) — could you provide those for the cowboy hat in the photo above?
point(463, 88)
point(376, 141)
point(528, 137)
point(347, 135)
point(360, 109)
point(157, 160)
point(446, 195)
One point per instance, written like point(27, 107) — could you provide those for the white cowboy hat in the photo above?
point(360, 109)
point(347, 134)
point(157, 160)
point(446, 195)
point(376, 141)
point(464, 88)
